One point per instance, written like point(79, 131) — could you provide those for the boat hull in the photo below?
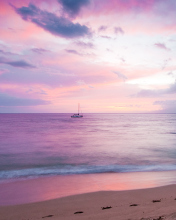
point(76, 116)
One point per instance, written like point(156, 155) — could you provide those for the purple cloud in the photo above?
point(39, 50)
point(102, 28)
point(6, 100)
point(6, 53)
point(73, 7)
point(58, 26)
point(168, 106)
point(107, 37)
point(74, 52)
point(19, 63)
point(155, 93)
point(118, 30)
point(84, 45)
point(120, 75)
point(161, 46)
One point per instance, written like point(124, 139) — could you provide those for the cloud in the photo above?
point(73, 7)
point(106, 37)
point(161, 46)
point(19, 63)
point(170, 74)
point(155, 93)
point(6, 100)
point(84, 45)
point(122, 59)
point(149, 93)
point(74, 52)
point(120, 75)
point(118, 30)
point(39, 50)
point(171, 89)
point(168, 106)
point(102, 28)
point(2, 71)
point(58, 26)
point(7, 53)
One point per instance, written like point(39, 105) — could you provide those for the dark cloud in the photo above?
point(39, 50)
point(6, 100)
point(102, 28)
point(161, 46)
point(84, 45)
point(118, 30)
point(19, 63)
point(58, 26)
point(73, 7)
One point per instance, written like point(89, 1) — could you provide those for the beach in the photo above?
point(143, 204)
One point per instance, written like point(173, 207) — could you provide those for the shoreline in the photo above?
point(40, 189)
point(144, 204)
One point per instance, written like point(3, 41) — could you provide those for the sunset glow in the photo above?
point(110, 56)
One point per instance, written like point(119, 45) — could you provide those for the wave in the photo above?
point(81, 169)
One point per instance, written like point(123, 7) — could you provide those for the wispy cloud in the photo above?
point(106, 37)
point(102, 28)
point(6, 100)
point(18, 63)
point(118, 30)
point(157, 93)
point(74, 52)
point(39, 50)
point(161, 46)
point(120, 75)
point(84, 44)
point(6, 53)
point(59, 26)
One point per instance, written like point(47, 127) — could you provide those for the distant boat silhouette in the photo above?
point(77, 115)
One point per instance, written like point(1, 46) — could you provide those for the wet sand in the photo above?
point(144, 204)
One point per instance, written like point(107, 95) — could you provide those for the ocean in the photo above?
point(95, 150)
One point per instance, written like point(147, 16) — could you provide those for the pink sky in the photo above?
point(110, 56)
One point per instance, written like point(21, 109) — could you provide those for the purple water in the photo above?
point(56, 144)
point(98, 145)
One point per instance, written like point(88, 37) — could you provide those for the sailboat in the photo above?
point(77, 115)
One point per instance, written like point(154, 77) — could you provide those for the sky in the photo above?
point(115, 56)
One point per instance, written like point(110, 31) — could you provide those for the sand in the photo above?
point(144, 204)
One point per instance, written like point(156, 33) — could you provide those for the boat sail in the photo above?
point(77, 115)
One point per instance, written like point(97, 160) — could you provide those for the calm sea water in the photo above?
point(37, 145)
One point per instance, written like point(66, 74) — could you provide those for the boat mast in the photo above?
point(78, 108)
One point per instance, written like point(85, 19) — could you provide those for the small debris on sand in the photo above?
point(107, 207)
point(78, 212)
point(156, 201)
point(47, 216)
